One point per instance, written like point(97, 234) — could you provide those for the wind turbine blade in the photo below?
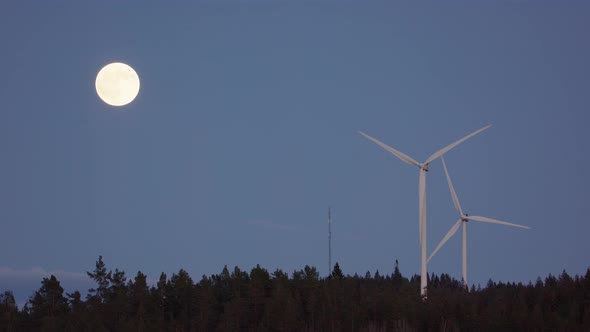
point(494, 221)
point(448, 147)
point(451, 188)
point(398, 154)
point(451, 232)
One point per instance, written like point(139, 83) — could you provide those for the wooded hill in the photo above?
point(303, 301)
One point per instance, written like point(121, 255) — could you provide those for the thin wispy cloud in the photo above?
point(260, 222)
point(24, 282)
point(269, 224)
point(37, 273)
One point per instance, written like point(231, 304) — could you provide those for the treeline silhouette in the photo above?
point(303, 301)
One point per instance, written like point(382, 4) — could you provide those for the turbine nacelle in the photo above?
point(425, 166)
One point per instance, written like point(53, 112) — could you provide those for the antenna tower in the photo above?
point(329, 241)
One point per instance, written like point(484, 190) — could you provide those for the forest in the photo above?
point(260, 300)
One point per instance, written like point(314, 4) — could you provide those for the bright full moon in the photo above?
point(117, 84)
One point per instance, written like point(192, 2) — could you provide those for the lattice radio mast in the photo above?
point(329, 241)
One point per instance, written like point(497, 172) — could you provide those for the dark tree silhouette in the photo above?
point(337, 272)
point(263, 301)
point(48, 306)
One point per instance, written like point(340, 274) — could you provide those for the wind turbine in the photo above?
point(424, 167)
point(463, 219)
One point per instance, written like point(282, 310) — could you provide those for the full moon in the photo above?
point(117, 84)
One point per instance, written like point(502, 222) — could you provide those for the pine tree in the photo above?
point(182, 300)
point(207, 315)
point(8, 312)
point(102, 278)
point(396, 278)
point(259, 292)
point(159, 304)
point(138, 301)
point(337, 272)
point(117, 301)
point(76, 318)
point(281, 313)
point(48, 305)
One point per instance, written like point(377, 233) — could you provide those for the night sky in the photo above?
point(244, 132)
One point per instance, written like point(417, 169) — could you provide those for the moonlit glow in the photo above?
point(117, 84)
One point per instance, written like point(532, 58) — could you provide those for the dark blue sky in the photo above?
point(244, 132)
